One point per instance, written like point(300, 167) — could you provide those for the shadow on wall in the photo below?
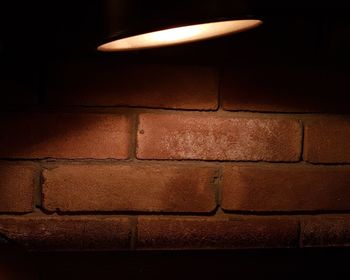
point(261, 88)
point(107, 83)
point(65, 135)
point(247, 264)
point(16, 264)
point(283, 89)
point(297, 61)
point(45, 131)
point(77, 86)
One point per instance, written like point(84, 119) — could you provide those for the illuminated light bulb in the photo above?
point(178, 35)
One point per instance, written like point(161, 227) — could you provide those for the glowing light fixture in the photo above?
point(178, 35)
point(133, 25)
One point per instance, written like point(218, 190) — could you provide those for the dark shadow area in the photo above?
point(15, 263)
point(331, 263)
point(37, 137)
point(297, 61)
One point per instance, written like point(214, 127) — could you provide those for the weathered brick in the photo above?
point(164, 86)
point(65, 136)
point(325, 231)
point(327, 141)
point(216, 233)
point(203, 136)
point(127, 187)
point(17, 183)
point(285, 188)
point(67, 233)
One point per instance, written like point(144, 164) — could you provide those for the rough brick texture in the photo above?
point(325, 231)
point(212, 233)
point(188, 169)
point(285, 188)
point(67, 233)
point(129, 187)
point(327, 141)
point(284, 89)
point(65, 136)
point(17, 183)
point(162, 86)
point(186, 136)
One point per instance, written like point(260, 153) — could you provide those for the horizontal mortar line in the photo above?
point(39, 212)
point(127, 213)
point(99, 109)
point(170, 161)
point(328, 164)
point(126, 109)
point(294, 113)
point(53, 160)
point(132, 107)
point(225, 215)
point(242, 114)
point(222, 161)
point(291, 213)
point(55, 215)
point(167, 161)
point(242, 162)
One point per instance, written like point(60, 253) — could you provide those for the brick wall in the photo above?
point(156, 156)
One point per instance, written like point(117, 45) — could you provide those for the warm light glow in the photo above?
point(180, 35)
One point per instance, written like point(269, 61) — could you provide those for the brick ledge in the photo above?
point(110, 233)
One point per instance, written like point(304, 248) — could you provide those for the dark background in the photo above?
point(331, 263)
point(35, 36)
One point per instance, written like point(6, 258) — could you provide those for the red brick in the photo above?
point(282, 89)
point(327, 141)
point(67, 233)
point(125, 187)
point(216, 233)
point(65, 136)
point(163, 86)
point(285, 188)
point(325, 231)
point(203, 136)
point(17, 185)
